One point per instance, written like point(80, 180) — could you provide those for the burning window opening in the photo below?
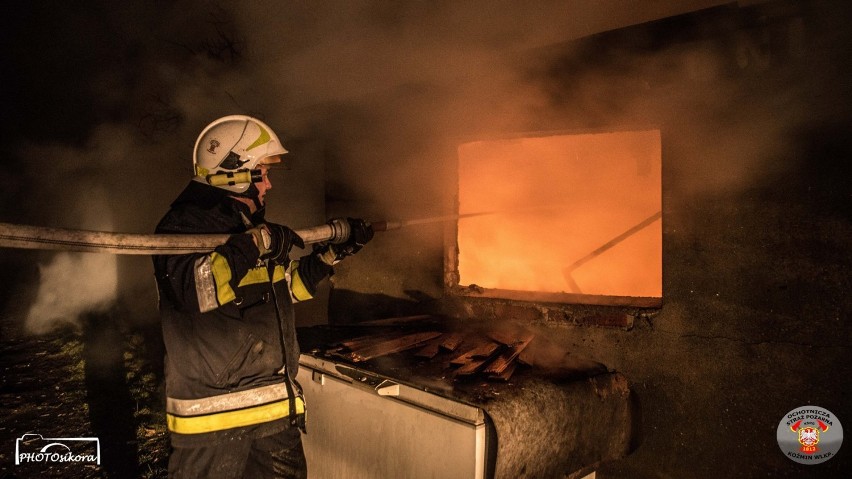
point(569, 218)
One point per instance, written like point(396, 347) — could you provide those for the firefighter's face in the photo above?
point(263, 186)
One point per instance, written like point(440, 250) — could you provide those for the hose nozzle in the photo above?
point(340, 230)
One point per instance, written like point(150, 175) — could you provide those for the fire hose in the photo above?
point(86, 241)
point(64, 239)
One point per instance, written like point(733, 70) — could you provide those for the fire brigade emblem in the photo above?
point(213, 145)
point(809, 438)
point(810, 435)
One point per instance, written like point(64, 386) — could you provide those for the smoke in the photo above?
point(74, 284)
point(392, 89)
point(404, 83)
point(372, 98)
point(107, 109)
point(92, 187)
point(719, 132)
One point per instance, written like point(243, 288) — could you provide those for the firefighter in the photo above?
point(233, 406)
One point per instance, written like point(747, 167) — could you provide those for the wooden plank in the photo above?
point(471, 367)
point(501, 362)
point(452, 341)
point(391, 346)
point(509, 338)
point(478, 362)
point(508, 356)
point(478, 351)
point(362, 342)
point(506, 373)
point(431, 349)
point(394, 321)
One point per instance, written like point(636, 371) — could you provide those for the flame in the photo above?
point(562, 198)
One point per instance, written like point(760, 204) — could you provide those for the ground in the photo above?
point(99, 381)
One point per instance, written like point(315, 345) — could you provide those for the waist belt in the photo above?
point(226, 411)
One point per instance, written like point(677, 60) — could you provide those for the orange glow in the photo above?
point(562, 198)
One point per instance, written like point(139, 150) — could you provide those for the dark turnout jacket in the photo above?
point(228, 325)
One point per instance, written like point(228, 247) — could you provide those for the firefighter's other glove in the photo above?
point(360, 233)
point(275, 241)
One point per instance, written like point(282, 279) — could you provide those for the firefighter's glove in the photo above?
point(360, 233)
point(275, 241)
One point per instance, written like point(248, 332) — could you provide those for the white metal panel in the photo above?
point(363, 430)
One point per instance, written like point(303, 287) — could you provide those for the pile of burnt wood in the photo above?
point(494, 354)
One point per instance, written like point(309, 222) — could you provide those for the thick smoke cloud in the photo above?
point(73, 284)
point(103, 103)
point(371, 98)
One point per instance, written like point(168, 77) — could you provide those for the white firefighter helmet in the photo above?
point(229, 150)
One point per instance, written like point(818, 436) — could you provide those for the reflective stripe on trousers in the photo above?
point(226, 411)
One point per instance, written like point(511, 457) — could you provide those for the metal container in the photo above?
point(365, 425)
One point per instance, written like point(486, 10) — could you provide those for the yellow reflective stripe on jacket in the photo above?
point(260, 275)
point(298, 290)
point(212, 282)
point(279, 274)
point(255, 276)
point(222, 275)
point(231, 419)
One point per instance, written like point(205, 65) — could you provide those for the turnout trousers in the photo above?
point(277, 456)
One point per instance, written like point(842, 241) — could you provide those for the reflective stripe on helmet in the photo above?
point(261, 140)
